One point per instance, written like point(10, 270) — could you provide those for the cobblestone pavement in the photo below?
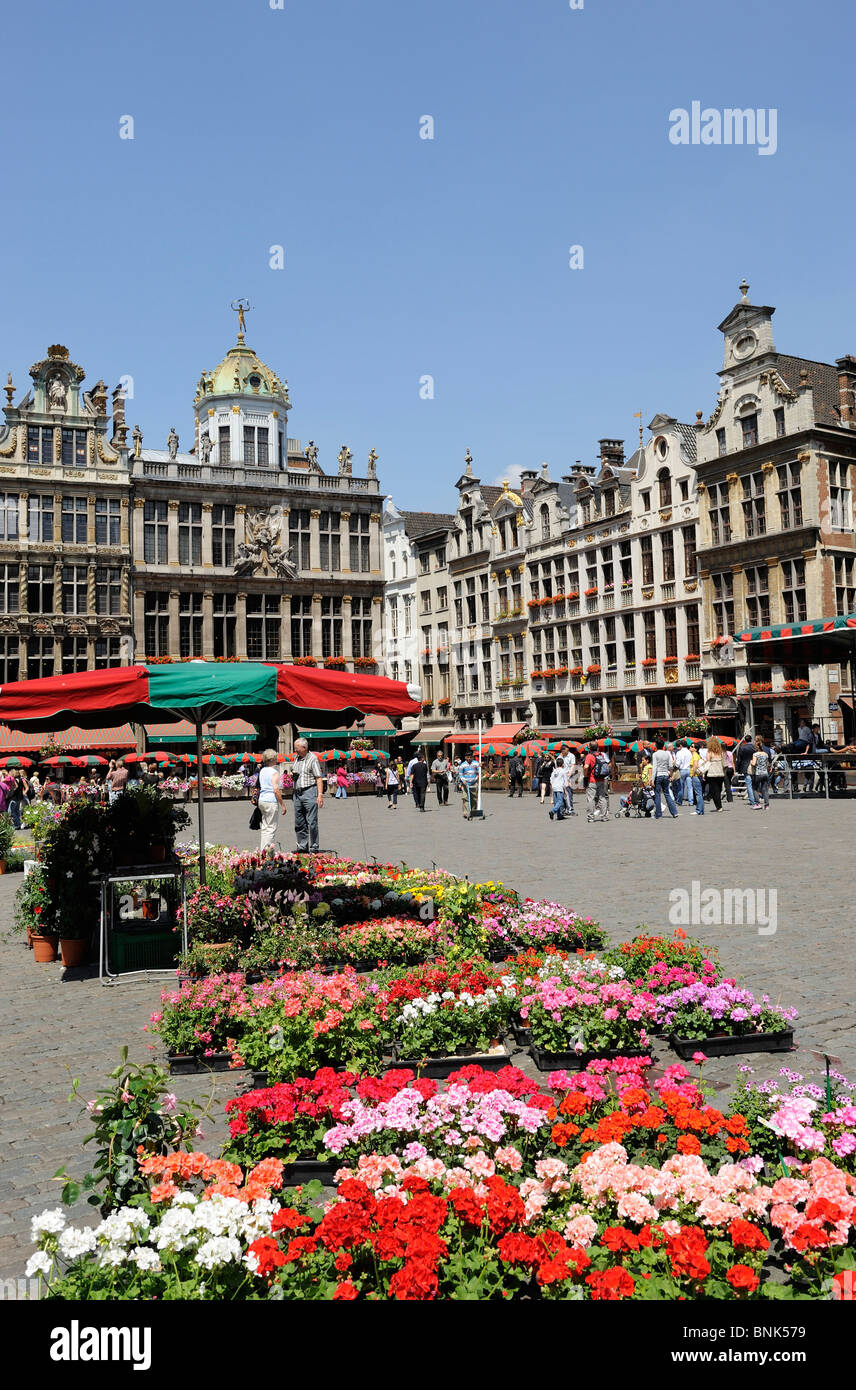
point(60, 1025)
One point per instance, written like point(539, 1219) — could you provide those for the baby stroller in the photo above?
point(638, 803)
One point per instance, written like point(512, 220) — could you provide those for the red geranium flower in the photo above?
point(743, 1279)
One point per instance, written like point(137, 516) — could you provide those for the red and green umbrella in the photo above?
point(639, 746)
point(492, 750)
point(189, 759)
point(245, 758)
point(16, 762)
point(162, 758)
point(611, 743)
point(214, 760)
point(90, 760)
point(204, 691)
point(59, 760)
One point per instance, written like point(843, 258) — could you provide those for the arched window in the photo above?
point(665, 482)
point(545, 522)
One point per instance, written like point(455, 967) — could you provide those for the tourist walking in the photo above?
point(380, 779)
point(515, 775)
point(697, 771)
point(440, 774)
point(393, 782)
point(729, 775)
point(595, 779)
point(308, 796)
point(662, 764)
point(683, 763)
point(760, 773)
point(543, 773)
point(419, 781)
point(558, 784)
point(742, 759)
point(468, 779)
point(715, 772)
point(341, 783)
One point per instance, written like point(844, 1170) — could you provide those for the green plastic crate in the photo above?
point(155, 948)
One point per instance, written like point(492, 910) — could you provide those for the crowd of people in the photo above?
point(20, 788)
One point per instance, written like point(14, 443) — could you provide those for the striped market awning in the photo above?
point(229, 730)
point(71, 740)
point(798, 644)
point(375, 726)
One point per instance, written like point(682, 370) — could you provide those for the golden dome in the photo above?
point(242, 372)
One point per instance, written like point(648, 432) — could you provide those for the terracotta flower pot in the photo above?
point(2, 866)
point(44, 949)
point(74, 952)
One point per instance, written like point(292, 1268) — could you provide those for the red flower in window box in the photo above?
point(693, 656)
point(545, 602)
point(444, 703)
point(761, 687)
point(574, 594)
point(364, 663)
point(649, 661)
point(590, 593)
point(304, 661)
point(336, 663)
point(576, 670)
point(720, 690)
point(720, 641)
point(670, 661)
point(796, 685)
point(533, 603)
point(593, 670)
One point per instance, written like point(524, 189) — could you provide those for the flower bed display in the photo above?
point(600, 1181)
point(586, 1015)
point(726, 1018)
point(796, 1119)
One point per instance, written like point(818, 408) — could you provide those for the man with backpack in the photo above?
point(596, 770)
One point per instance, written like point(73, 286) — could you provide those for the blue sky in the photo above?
point(404, 257)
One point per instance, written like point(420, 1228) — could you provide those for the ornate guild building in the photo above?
point(65, 556)
point(241, 547)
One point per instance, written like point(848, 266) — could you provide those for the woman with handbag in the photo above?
point(270, 799)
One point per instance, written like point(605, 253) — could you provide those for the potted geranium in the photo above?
point(573, 1020)
point(32, 915)
point(726, 1018)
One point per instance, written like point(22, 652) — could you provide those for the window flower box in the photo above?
point(761, 687)
point(649, 661)
point(796, 685)
point(722, 691)
point(590, 593)
point(364, 663)
point(670, 661)
point(593, 670)
point(576, 671)
point(304, 661)
point(692, 656)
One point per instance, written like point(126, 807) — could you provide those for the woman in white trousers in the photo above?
point(270, 799)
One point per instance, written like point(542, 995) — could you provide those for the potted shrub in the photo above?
point(7, 839)
point(32, 915)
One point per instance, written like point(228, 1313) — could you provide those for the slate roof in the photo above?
point(688, 435)
point(823, 380)
point(418, 524)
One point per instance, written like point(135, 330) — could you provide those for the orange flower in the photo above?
point(688, 1144)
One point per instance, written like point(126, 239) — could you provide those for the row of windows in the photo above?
point(73, 445)
point(749, 435)
point(74, 584)
point(264, 622)
point(36, 658)
point(156, 536)
point(68, 521)
point(758, 612)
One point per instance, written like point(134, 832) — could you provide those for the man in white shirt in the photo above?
point(558, 786)
point(683, 762)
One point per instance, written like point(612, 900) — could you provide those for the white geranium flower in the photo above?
point(113, 1256)
point(40, 1263)
point(48, 1223)
point(144, 1257)
point(220, 1250)
point(74, 1242)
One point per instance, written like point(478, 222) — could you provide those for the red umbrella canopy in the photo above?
point(214, 760)
point(246, 757)
point(610, 743)
point(16, 761)
point(639, 745)
point(163, 758)
point(90, 760)
point(189, 759)
point(492, 750)
point(59, 760)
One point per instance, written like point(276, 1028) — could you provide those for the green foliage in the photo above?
point(7, 834)
point(38, 818)
point(137, 1112)
point(33, 904)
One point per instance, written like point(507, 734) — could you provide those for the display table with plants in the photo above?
point(77, 847)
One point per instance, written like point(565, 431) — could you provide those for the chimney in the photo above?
point(847, 389)
point(120, 429)
point(527, 478)
point(611, 452)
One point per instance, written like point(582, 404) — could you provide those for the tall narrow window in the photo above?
point(667, 543)
point(359, 541)
point(647, 553)
point(190, 624)
point(74, 589)
point(108, 521)
point(331, 626)
point(225, 621)
point(108, 590)
point(8, 516)
point(720, 513)
point(156, 620)
point(790, 495)
point(757, 596)
point(263, 627)
point(689, 537)
point(40, 589)
point(664, 484)
point(301, 625)
point(155, 533)
point(723, 604)
point(222, 534)
point(224, 445)
point(793, 591)
point(9, 659)
point(9, 589)
point(361, 627)
point(749, 426)
point(40, 658)
point(190, 533)
point(41, 519)
point(329, 526)
point(840, 510)
point(298, 536)
point(74, 449)
point(74, 520)
point(754, 513)
point(74, 655)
